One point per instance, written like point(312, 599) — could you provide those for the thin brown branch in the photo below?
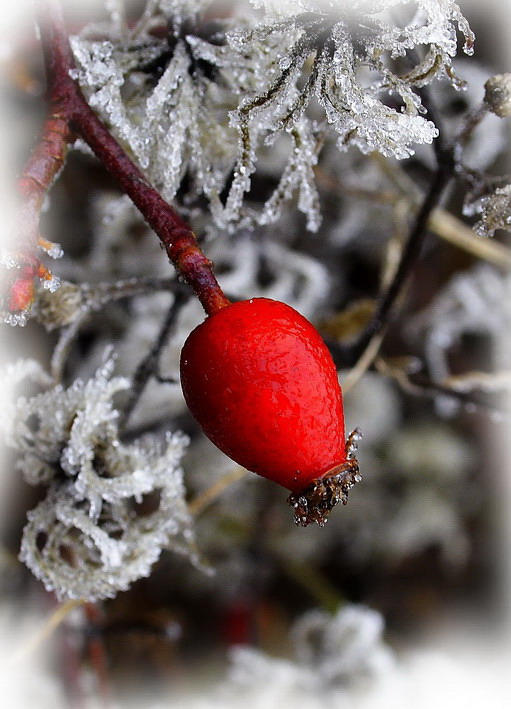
point(206, 498)
point(40, 172)
point(97, 652)
point(419, 384)
point(46, 630)
point(148, 367)
point(446, 165)
point(49, 154)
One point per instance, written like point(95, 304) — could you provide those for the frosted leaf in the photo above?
point(101, 77)
point(297, 175)
point(178, 11)
point(360, 117)
point(496, 212)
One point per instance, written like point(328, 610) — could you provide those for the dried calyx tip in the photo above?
point(315, 503)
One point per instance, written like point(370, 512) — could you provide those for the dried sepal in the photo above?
point(495, 212)
point(498, 94)
point(314, 504)
point(55, 310)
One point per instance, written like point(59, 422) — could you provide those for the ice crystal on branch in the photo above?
point(23, 276)
point(208, 106)
point(111, 507)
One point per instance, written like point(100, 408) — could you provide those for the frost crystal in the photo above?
point(209, 107)
point(111, 507)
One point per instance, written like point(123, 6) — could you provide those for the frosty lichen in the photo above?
point(111, 507)
point(209, 107)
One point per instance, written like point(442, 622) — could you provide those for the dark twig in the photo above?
point(420, 384)
point(472, 120)
point(149, 366)
point(349, 355)
point(468, 400)
point(446, 164)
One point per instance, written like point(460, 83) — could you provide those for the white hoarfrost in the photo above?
point(110, 507)
point(208, 108)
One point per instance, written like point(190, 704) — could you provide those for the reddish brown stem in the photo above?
point(174, 233)
point(71, 112)
point(97, 652)
point(49, 155)
point(43, 166)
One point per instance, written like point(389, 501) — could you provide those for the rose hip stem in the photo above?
point(70, 115)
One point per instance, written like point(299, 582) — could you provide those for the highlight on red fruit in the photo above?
point(261, 383)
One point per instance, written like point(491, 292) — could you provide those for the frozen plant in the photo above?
point(334, 655)
point(232, 138)
point(110, 507)
point(220, 104)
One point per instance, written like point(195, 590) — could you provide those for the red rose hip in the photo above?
point(261, 383)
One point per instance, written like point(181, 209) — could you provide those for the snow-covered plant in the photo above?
point(221, 104)
point(230, 133)
point(110, 507)
point(333, 655)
